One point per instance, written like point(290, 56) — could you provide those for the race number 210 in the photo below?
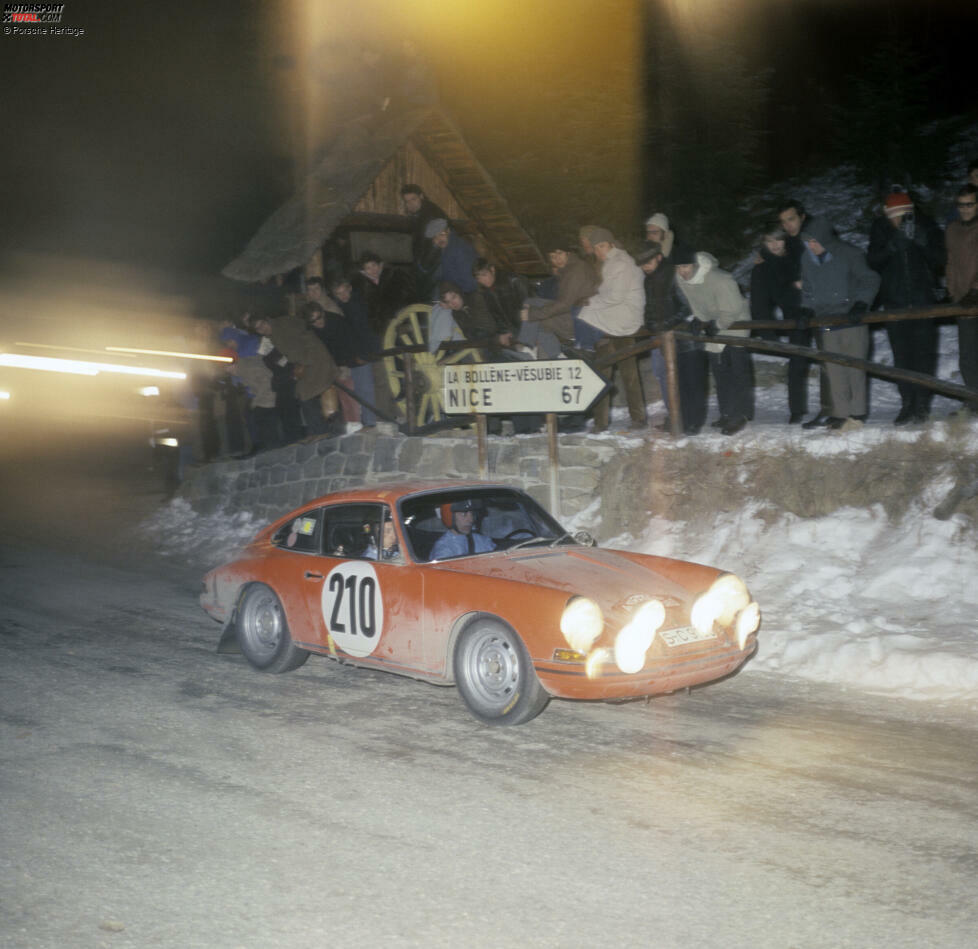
point(353, 607)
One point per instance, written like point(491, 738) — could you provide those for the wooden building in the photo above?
point(352, 200)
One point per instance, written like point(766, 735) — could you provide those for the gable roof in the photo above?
point(362, 152)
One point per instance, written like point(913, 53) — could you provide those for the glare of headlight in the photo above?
point(747, 623)
point(81, 367)
point(167, 442)
point(47, 364)
point(4, 395)
point(597, 659)
point(631, 645)
point(734, 597)
point(720, 604)
point(581, 623)
point(651, 614)
point(166, 352)
point(149, 390)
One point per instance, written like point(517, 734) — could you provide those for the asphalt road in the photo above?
point(154, 793)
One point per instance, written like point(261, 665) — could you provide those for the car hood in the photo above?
point(606, 576)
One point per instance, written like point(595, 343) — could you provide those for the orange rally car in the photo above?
point(474, 584)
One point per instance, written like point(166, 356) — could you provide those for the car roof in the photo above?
point(385, 493)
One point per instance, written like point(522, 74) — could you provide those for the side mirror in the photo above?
point(584, 539)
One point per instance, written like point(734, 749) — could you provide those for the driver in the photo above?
point(462, 538)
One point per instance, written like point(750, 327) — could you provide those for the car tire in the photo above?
point(494, 674)
point(263, 633)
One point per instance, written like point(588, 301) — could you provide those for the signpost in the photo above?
point(549, 386)
point(509, 388)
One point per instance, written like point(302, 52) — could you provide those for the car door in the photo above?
point(364, 605)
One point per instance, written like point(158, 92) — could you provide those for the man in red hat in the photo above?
point(906, 248)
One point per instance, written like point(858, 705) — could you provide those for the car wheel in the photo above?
point(263, 634)
point(495, 676)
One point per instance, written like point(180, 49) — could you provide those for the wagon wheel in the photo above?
point(410, 328)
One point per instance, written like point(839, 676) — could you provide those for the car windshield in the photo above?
point(472, 521)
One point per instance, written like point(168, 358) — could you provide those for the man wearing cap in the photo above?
point(462, 539)
point(456, 256)
point(836, 281)
point(617, 310)
point(657, 232)
point(906, 248)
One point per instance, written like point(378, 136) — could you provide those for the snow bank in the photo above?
point(852, 598)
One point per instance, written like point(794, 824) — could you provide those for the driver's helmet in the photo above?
point(449, 510)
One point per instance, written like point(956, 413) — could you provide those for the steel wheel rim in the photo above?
point(493, 667)
point(263, 623)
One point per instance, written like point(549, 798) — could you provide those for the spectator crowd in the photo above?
point(318, 371)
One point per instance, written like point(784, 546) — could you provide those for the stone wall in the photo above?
point(273, 483)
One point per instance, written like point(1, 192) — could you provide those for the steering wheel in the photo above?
point(512, 535)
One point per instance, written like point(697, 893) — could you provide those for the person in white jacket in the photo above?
point(716, 302)
point(617, 309)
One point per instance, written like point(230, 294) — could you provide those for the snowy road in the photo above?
point(157, 794)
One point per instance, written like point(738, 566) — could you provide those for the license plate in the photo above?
point(683, 635)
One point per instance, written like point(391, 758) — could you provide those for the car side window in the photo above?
point(353, 530)
point(302, 534)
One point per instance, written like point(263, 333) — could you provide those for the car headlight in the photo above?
point(747, 623)
point(581, 623)
point(635, 638)
point(720, 604)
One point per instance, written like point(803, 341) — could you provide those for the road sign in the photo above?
point(508, 388)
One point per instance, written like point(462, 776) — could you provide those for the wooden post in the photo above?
point(482, 430)
point(554, 464)
point(672, 383)
point(409, 406)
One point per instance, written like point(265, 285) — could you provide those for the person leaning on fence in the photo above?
point(546, 320)
point(455, 255)
point(664, 312)
point(315, 369)
point(617, 312)
point(716, 302)
point(906, 248)
point(962, 281)
point(836, 281)
point(775, 293)
point(442, 325)
point(793, 217)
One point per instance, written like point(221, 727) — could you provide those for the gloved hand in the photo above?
point(695, 326)
point(805, 316)
point(856, 312)
point(711, 329)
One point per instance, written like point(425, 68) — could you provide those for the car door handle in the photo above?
point(313, 576)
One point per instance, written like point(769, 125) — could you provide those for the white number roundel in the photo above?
point(353, 608)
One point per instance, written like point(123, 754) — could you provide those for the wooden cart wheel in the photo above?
point(410, 328)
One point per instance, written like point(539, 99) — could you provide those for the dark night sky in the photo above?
point(155, 138)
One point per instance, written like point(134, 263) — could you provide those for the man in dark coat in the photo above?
point(906, 248)
point(500, 295)
point(793, 217)
point(962, 281)
point(775, 293)
point(666, 309)
point(421, 209)
point(456, 256)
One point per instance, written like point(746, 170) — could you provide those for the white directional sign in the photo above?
point(506, 388)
